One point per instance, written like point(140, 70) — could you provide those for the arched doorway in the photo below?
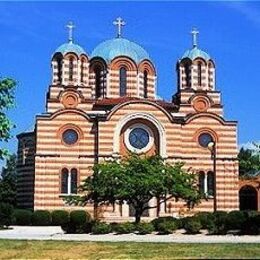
point(248, 198)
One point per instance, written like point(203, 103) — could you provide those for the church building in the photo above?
point(103, 105)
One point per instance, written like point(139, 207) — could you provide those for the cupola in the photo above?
point(196, 69)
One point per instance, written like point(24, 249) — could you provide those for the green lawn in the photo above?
point(10, 249)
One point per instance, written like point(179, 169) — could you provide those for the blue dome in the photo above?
point(195, 53)
point(110, 49)
point(70, 47)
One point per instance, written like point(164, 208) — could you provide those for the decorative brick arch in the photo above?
point(142, 115)
point(123, 61)
point(148, 66)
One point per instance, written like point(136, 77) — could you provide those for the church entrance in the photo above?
point(248, 198)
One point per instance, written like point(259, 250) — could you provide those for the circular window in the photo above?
point(205, 139)
point(70, 136)
point(139, 138)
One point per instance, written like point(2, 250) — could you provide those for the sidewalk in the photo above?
point(56, 233)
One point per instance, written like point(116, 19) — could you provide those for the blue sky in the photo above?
point(229, 31)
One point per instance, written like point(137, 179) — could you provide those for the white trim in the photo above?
point(136, 150)
point(140, 115)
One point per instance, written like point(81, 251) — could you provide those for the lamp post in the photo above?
point(212, 148)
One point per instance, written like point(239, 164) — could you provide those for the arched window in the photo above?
point(64, 180)
point(201, 182)
point(82, 67)
point(187, 74)
point(210, 184)
point(59, 68)
point(199, 74)
point(122, 81)
point(74, 181)
point(145, 83)
point(97, 72)
point(70, 69)
point(69, 180)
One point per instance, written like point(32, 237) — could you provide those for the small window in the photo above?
point(201, 182)
point(199, 74)
point(71, 69)
point(70, 136)
point(64, 180)
point(74, 181)
point(97, 72)
point(187, 74)
point(59, 68)
point(205, 139)
point(82, 68)
point(145, 83)
point(206, 183)
point(210, 183)
point(122, 81)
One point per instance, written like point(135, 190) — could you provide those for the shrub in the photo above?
point(124, 228)
point(41, 218)
point(145, 228)
point(205, 218)
point(166, 227)
point(157, 221)
point(101, 228)
point(6, 212)
point(218, 225)
point(59, 217)
point(22, 217)
point(235, 220)
point(251, 225)
point(80, 222)
point(192, 225)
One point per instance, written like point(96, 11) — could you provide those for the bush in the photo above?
point(205, 218)
point(124, 228)
point(145, 228)
point(6, 212)
point(251, 225)
point(80, 222)
point(101, 228)
point(218, 225)
point(22, 217)
point(235, 220)
point(59, 217)
point(155, 222)
point(192, 225)
point(41, 218)
point(166, 227)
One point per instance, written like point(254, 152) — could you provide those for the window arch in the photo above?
point(145, 83)
point(69, 181)
point(199, 74)
point(71, 69)
point(97, 72)
point(122, 81)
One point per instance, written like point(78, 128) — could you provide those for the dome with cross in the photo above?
point(110, 49)
point(195, 52)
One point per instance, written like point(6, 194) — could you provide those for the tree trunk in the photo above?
point(138, 214)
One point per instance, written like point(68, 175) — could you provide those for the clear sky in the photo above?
point(229, 31)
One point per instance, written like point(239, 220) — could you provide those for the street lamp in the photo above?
point(212, 148)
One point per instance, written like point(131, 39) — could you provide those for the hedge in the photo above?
point(60, 217)
point(22, 217)
point(41, 218)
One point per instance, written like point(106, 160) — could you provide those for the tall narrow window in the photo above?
point(64, 180)
point(82, 67)
point(187, 74)
point(70, 69)
point(59, 67)
point(145, 83)
point(210, 183)
point(97, 72)
point(201, 182)
point(122, 81)
point(73, 181)
point(199, 74)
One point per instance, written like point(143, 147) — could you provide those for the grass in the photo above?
point(10, 249)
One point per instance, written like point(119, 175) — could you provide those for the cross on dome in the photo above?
point(119, 22)
point(70, 27)
point(194, 33)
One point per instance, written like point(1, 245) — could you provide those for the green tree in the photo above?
point(136, 180)
point(8, 181)
point(7, 87)
point(249, 160)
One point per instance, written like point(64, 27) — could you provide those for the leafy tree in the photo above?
point(8, 181)
point(7, 87)
point(136, 180)
point(249, 160)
